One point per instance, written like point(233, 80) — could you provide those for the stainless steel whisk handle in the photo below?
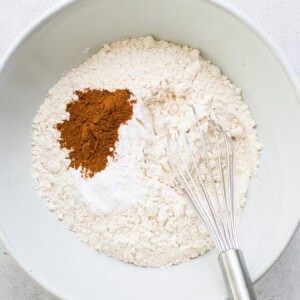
point(236, 275)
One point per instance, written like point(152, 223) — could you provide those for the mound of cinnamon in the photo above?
point(91, 132)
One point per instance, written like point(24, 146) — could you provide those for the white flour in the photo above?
point(133, 210)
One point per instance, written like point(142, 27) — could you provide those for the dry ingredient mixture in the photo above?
point(128, 206)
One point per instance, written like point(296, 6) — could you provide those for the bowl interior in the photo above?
point(53, 255)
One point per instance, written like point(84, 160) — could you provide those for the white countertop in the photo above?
point(278, 18)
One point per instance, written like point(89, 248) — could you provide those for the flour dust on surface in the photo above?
point(133, 209)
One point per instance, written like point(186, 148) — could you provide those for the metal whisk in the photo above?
point(209, 184)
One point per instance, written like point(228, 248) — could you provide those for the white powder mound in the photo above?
point(133, 210)
point(118, 187)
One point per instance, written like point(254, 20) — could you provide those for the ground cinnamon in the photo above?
point(92, 129)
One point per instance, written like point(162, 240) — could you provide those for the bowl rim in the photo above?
point(228, 8)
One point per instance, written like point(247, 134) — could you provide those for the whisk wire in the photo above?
point(193, 199)
point(223, 236)
point(217, 213)
point(232, 192)
point(230, 189)
point(208, 204)
point(224, 211)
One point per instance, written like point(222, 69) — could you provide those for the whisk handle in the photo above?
point(236, 275)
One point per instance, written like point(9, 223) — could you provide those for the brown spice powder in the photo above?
point(92, 129)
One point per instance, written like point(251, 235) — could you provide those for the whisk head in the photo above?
point(203, 160)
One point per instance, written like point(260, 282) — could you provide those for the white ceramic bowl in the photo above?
point(34, 236)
